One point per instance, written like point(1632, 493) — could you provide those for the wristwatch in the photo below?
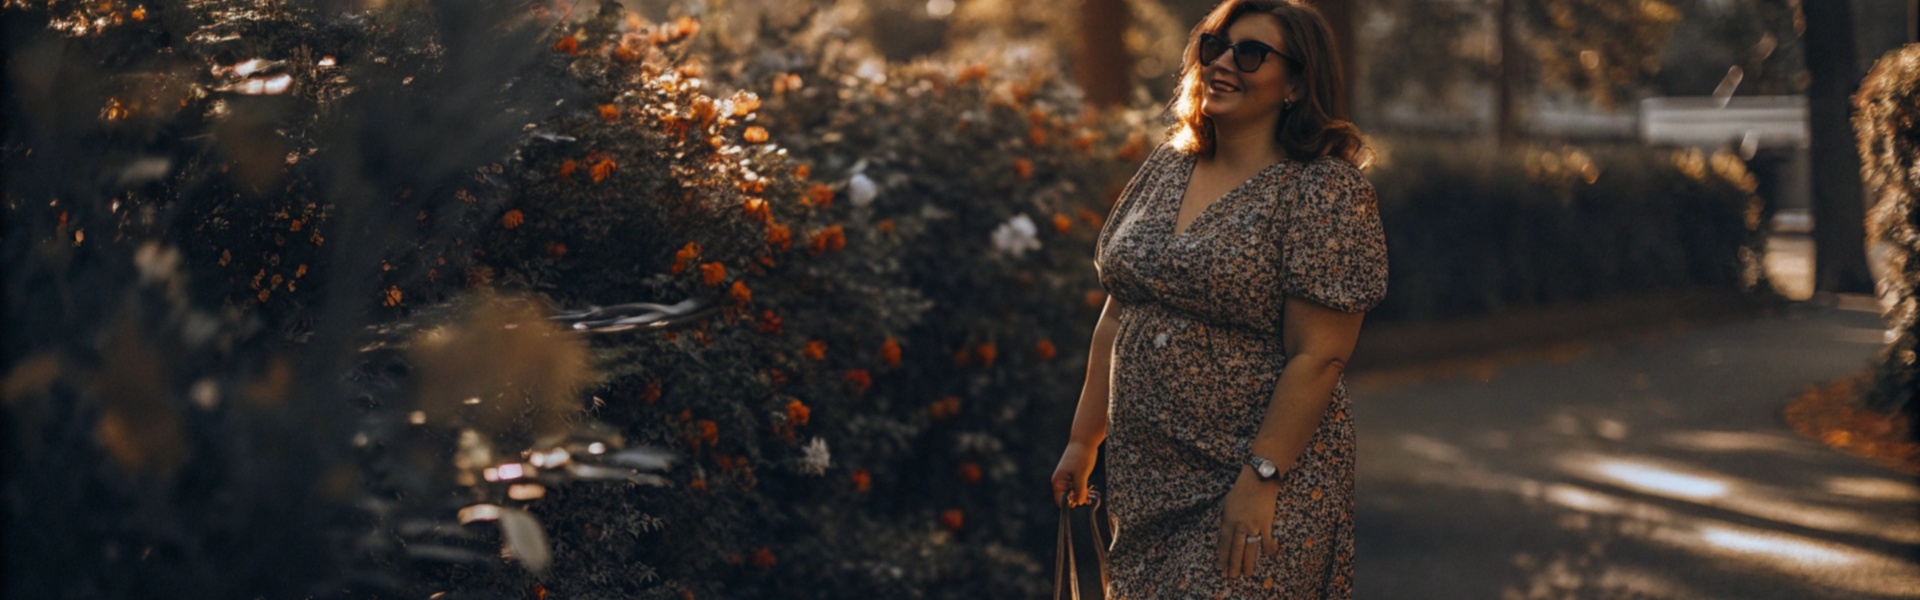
point(1263, 468)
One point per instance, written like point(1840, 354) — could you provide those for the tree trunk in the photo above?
point(1105, 69)
point(1505, 121)
point(1839, 196)
point(1339, 14)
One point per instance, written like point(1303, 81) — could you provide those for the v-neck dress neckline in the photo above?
point(1186, 181)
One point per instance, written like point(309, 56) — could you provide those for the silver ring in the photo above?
point(1253, 538)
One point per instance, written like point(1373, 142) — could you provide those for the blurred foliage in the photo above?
point(1886, 121)
point(1607, 52)
point(1474, 229)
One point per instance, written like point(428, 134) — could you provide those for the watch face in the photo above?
point(1263, 467)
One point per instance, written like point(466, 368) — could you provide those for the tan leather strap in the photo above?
point(1072, 580)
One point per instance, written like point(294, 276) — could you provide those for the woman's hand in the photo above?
point(1248, 510)
point(1075, 465)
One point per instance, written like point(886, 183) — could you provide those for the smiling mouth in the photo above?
point(1222, 88)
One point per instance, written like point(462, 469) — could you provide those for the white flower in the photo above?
point(814, 458)
point(861, 190)
point(1017, 235)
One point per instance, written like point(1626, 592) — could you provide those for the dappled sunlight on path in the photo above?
point(1652, 469)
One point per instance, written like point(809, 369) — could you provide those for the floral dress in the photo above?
point(1196, 361)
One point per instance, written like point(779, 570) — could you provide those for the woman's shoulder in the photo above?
point(1335, 170)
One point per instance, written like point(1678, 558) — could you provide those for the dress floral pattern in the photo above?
point(1196, 361)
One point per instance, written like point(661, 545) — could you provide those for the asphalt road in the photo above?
point(1656, 467)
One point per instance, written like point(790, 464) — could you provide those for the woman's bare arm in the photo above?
point(1319, 340)
point(1090, 417)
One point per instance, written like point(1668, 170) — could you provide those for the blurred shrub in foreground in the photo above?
point(1887, 122)
point(1474, 230)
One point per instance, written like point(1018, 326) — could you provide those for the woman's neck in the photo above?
point(1245, 146)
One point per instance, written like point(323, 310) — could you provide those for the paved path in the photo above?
point(1656, 468)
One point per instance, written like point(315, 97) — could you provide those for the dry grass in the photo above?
point(1829, 414)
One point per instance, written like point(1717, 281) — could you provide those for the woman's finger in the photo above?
point(1271, 544)
point(1238, 550)
point(1251, 555)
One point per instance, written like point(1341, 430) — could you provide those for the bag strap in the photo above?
point(1072, 580)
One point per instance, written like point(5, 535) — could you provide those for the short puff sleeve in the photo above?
point(1335, 249)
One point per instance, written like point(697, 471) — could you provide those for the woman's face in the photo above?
point(1233, 95)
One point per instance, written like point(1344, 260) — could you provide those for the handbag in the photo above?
point(1085, 530)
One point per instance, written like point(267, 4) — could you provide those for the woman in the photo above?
point(1240, 261)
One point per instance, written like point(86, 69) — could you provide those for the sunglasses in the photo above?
point(1247, 55)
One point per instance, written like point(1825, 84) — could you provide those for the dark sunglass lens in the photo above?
point(1248, 56)
point(1210, 48)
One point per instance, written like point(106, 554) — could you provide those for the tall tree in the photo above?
point(1839, 211)
point(1105, 69)
point(1339, 14)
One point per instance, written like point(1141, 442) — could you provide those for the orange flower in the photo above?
point(778, 377)
point(686, 414)
point(755, 135)
point(952, 519)
point(713, 273)
point(709, 432)
point(651, 393)
point(392, 296)
point(861, 380)
point(1045, 349)
point(1023, 168)
point(890, 352)
point(567, 45)
point(786, 82)
point(139, 13)
point(1062, 223)
point(862, 481)
point(945, 407)
point(1083, 142)
point(970, 473)
point(986, 352)
point(609, 113)
point(744, 103)
point(831, 238)
point(602, 170)
point(698, 484)
point(702, 110)
point(816, 350)
point(1092, 219)
point(972, 73)
point(797, 412)
point(740, 293)
point(512, 219)
point(685, 27)
point(780, 237)
point(769, 322)
point(567, 167)
point(683, 255)
point(556, 249)
point(885, 226)
point(802, 172)
point(821, 195)
point(1037, 136)
point(626, 52)
point(758, 209)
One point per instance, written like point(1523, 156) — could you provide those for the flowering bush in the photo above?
point(1888, 126)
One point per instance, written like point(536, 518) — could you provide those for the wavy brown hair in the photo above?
point(1317, 125)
